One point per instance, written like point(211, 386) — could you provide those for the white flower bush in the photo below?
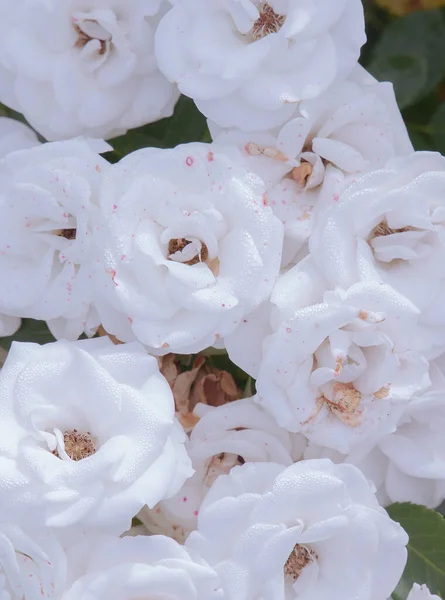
point(222, 355)
point(302, 532)
point(83, 68)
point(181, 274)
point(89, 450)
point(225, 55)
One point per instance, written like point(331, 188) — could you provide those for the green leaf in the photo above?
point(411, 47)
point(437, 125)
point(186, 125)
point(408, 73)
point(30, 331)
point(426, 548)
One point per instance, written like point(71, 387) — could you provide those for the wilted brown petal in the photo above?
point(102, 332)
point(215, 389)
point(168, 368)
point(183, 384)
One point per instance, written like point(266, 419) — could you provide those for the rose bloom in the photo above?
point(421, 592)
point(88, 435)
point(48, 214)
point(388, 226)
point(13, 136)
point(108, 568)
point(83, 68)
point(355, 125)
point(189, 248)
point(248, 63)
point(313, 530)
point(408, 464)
point(32, 563)
point(223, 438)
point(339, 366)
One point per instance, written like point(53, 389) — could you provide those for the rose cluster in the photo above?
point(306, 242)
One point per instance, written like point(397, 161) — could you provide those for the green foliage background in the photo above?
point(410, 52)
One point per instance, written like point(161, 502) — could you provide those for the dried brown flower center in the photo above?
point(298, 559)
point(83, 39)
point(178, 245)
point(268, 22)
point(384, 229)
point(68, 234)
point(78, 445)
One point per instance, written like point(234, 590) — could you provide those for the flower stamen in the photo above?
point(302, 173)
point(268, 22)
point(299, 558)
point(176, 247)
point(384, 229)
point(78, 445)
point(83, 37)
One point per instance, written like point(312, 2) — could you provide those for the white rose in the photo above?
point(190, 248)
point(355, 125)
point(32, 563)
point(107, 568)
point(9, 325)
point(408, 465)
point(224, 437)
point(247, 63)
point(88, 435)
point(48, 214)
point(388, 225)
point(340, 370)
point(13, 136)
point(421, 592)
point(312, 530)
point(83, 68)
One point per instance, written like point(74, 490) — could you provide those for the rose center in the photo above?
point(88, 30)
point(384, 229)
point(268, 22)
point(78, 445)
point(68, 234)
point(177, 251)
point(298, 559)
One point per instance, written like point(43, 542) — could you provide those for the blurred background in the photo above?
point(406, 45)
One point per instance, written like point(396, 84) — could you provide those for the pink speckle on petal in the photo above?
point(288, 329)
point(196, 513)
point(184, 499)
point(114, 206)
point(336, 197)
point(210, 156)
point(189, 161)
